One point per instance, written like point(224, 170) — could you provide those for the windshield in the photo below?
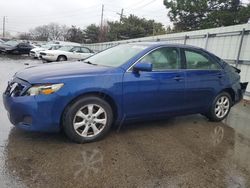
point(66, 48)
point(54, 47)
point(11, 43)
point(46, 46)
point(116, 56)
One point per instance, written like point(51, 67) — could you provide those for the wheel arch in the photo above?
point(101, 95)
point(231, 92)
point(62, 56)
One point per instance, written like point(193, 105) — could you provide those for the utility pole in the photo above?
point(100, 37)
point(3, 26)
point(102, 17)
point(121, 15)
point(153, 29)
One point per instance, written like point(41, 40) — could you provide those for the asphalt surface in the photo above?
point(186, 151)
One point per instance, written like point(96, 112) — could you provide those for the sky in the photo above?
point(23, 15)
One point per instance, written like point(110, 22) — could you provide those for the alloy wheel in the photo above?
point(222, 106)
point(90, 120)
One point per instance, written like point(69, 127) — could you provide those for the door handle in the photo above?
point(178, 78)
point(220, 76)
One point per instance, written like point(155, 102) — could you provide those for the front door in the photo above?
point(75, 53)
point(157, 92)
point(85, 52)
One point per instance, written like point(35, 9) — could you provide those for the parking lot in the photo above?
point(185, 151)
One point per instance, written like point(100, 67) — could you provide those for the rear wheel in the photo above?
point(220, 107)
point(88, 119)
point(61, 58)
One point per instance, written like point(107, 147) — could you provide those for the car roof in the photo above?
point(156, 44)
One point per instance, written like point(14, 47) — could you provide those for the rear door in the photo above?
point(24, 48)
point(157, 92)
point(21, 48)
point(204, 78)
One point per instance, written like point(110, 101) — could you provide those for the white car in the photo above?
point(66, 53)
point(35, 53)
point(1, 41)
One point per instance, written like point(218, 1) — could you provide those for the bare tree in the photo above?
point(64, 30)
point(55, 31)
point(52, 31)
point(40, 33)
point(25, 36)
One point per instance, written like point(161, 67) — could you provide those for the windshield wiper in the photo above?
point(88, 62)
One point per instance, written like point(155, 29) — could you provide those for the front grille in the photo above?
point(14, 89)
point(42, 53)
point(32, 52)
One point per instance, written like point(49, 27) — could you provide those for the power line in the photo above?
point(52, 19)
point(57, 17)
point(135, 4)
point(142, 6)
point(76, 13)
point(83, 10)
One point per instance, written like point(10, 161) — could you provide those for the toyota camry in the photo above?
point(138, 81)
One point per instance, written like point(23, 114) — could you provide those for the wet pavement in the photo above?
point(187, 151)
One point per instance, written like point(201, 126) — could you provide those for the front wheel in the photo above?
point(61, 58)
point(88, 119)
point(220, 107)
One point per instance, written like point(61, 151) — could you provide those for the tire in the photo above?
point(44, 61)
point(82, 125)
point(15, 52)
point(62, 58)
point(220, 107)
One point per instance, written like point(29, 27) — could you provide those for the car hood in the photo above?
point(37, 49)
point(55, 52)
point(59, 71)
point(6, 46)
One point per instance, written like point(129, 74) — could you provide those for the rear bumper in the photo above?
point(243, 86)
point(239, 93)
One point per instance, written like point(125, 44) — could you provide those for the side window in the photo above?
point(164, 59)
point(57, 47)
point(85, 50)
point(196, 60)
point(75, 49)
point(21, 45)
point(25, 45)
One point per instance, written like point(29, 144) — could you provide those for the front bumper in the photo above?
point(48, 58)
point(34, 54)
point(33, 113)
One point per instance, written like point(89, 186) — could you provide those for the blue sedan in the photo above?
point(138, 81)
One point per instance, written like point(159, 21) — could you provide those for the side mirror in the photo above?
point(143, 66)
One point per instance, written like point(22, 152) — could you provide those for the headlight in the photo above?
point(8, 49)
point(49, 54)
point(46, 89)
